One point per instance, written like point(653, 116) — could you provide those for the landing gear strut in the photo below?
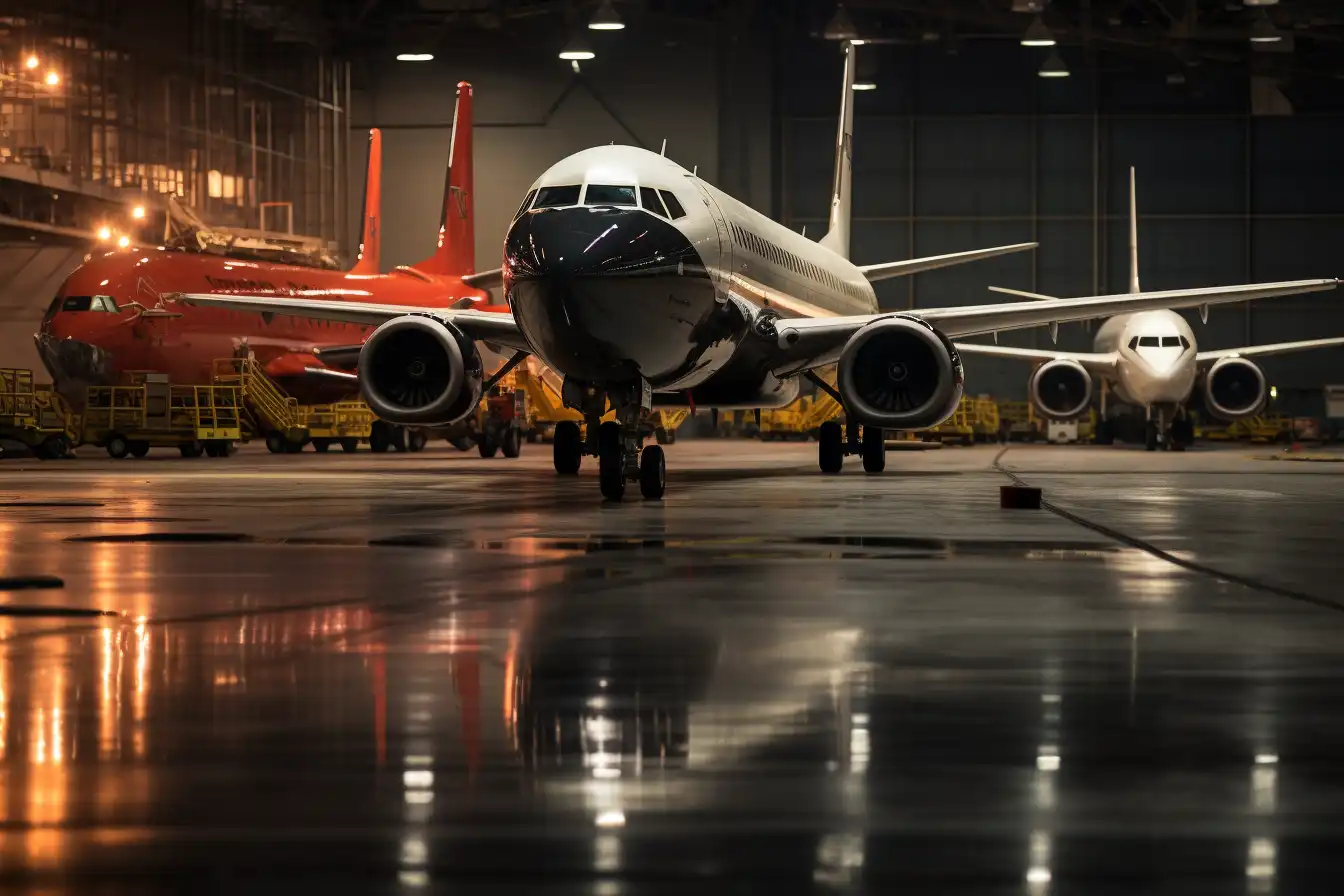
point(618, 444)
point(834, 442)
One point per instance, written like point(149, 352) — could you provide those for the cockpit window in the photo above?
point(1171, 342)
point(648, 198)
point(551, 197)
point(673, 206)
point(609, 194)
point(1150, 342)
point(104, 303)
point(1185, 343)
point(77, 303)
point(527, 203)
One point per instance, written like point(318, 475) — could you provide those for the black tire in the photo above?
point(416, 441)
point(1175, 445)
point(275, 443)
point(567, 448)
point(321, 445)
point(660, 436)
point(379, 438)
point(831, 447)
point(462, 443)
point(139, 449)
point(293, 447)
point(225, 448)
point(212, 449)
point(487, 446)
point(611, 461)
point(1104, 434)
point(652, 473)
point(532, 437)
point(191, 449)
point(1150, 436)
point(349, 446)
point(118, 446)
point(396, 437)
point(874, 450)
point(512, 444)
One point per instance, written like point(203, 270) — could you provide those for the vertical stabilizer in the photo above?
point(455, 253)
point(837, 233)
point(1133, 236)
point(371, 233)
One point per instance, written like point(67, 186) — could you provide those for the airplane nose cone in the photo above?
point(607, 294)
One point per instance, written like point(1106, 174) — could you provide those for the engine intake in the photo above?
point(1235, 388)
point(900, 373)
point(420, 370)
point(1061, 390)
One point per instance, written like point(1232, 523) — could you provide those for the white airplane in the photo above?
point(1148, 359)
point(640, 282)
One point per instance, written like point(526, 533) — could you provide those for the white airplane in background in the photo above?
point(1148, 359)
point(640, 283)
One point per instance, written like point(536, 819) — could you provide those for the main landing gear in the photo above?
point(1176, 437)
point(617, 444)
point(835, 441)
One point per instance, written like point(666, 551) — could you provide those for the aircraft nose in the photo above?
point(605, 294)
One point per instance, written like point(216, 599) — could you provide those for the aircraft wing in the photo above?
point(485, 279)
point(805, 343)
point(875, 272)
point(1205, 359)
point(1101, 363)
point(495, 327)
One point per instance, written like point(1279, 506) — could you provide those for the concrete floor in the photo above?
point(392, 674)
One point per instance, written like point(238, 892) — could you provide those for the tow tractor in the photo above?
point(501, 422)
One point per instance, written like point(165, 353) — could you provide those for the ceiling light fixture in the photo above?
point(1263, 31)
point(415, 57)
point(605, 19)
point(577, 50)
point(32, 61)
point(841, 26)
point(53, 79)
point(863, 85)
point(1038, 34)
point(1054, 67)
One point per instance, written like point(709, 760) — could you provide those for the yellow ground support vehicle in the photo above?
point(1025, 425)
point(956, 428)
point(35, 415)
point(266, 410)
point(1270, 428)
point(345, 423)
point(545, 407)
point(132, 419)
point(787, 424)
point(984, 414)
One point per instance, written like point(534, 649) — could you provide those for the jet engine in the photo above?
point(1235, 388)
point(900, 373)
point(420, 370)
point(1061, 389)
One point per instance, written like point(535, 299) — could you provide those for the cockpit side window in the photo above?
point(1185, 343)
point(77, 303)
point(648, 198)
point(674, 207)
point(527, 204)
point(104, 303)
point(609, 194)
point(1134, 343)
point(1171, 342)
point(1150, 342)
point(551, 197)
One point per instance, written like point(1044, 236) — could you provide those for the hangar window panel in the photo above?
point(527, 203)
point(610, 194)
point(648, 198)
point(673, 206)
point(552, 197)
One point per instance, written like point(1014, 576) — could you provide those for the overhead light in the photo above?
point(864, 85)
point(1263, 31)
point(1038, 34)
point(32, 61)
point(52, 79)
point(1260, 2)
point(138, 212)
point(1054, 66)
point(577, 50)
point(104, 233)
point(605, 19)
point(124, 241)
point(841, 26)
point(415, 57)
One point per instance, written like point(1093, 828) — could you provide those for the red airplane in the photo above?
point(114, 313)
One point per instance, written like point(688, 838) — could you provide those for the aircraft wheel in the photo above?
point(652, 473)
point(321, 446)
point(379, 438)
point(611, 461)
point(487, 446)
point(397, 438)
point(874, 450)
point(349, 446)
point(191, 449)
point(512, 445)
point(139, 449)
point(831, 447)
point(416, 441)
point(567, 448)
point(462, 443)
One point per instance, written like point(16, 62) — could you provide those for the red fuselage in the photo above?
point(87, 340)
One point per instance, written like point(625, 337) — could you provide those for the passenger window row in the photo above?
point(784, 258)
point(661, 202)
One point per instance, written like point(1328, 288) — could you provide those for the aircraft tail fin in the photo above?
point(837, 233)
point(1134, 288)
point(455, 252)
point(370, 234)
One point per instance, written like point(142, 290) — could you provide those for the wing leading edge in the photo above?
point(1095, 362)
point(1256, 351)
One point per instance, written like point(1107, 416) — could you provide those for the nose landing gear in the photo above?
point(618, 444)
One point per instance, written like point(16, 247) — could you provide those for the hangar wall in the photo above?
point(532, 110)
point(973, 149)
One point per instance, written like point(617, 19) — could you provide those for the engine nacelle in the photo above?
point(1061, 390)
point(1235, 388)
point(420, 370)
point(900, 373)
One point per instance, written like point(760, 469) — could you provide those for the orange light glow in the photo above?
point(53, 79)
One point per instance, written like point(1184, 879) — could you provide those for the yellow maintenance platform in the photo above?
point(132, 419)
point(35, 415)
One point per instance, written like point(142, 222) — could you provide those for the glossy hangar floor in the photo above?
point(438, 673)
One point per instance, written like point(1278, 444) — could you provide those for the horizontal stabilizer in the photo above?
point(491, 279)
point(875, 272)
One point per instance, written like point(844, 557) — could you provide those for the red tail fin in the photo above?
point(371, 234)
point(456, 250)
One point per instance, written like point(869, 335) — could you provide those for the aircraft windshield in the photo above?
point(609, 194)
point(551, 197)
